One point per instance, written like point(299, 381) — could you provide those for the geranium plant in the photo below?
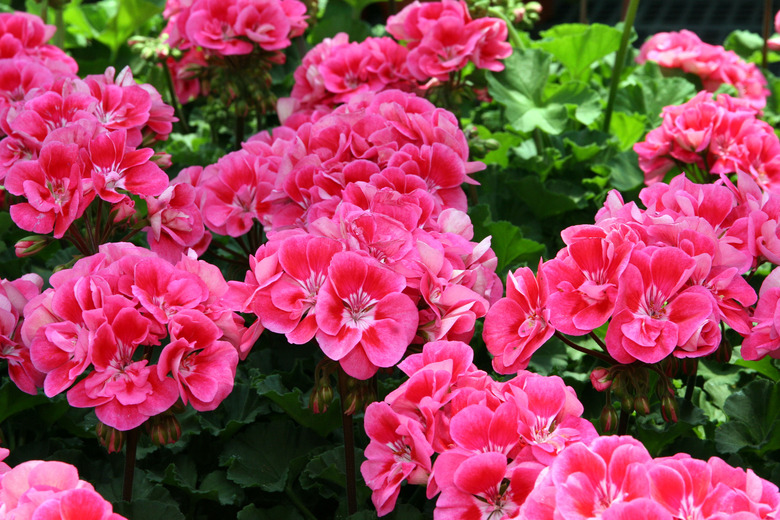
point(266, 260)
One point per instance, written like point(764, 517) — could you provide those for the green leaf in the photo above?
point(338, 17)
point(647, 92)
point(13, 400)
point(629, 128)
point(754, 413)
point(520, 87)
point(585, 102)
point(623, 171)
point(251, 512)
point(241, 407)
point(262, 455)
point(762, 366)
point(325, 473)
point(130, 15)
point(550, 198)
point(744, 43)
point(510, 246)
point(148, 509)
point(578, 46)
point(293, 404)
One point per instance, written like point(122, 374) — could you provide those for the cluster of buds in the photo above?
point(630, 385)
point(523, 14)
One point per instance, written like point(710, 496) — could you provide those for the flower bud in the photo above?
point(669, 408)
point(29, 246)
point(641, 405)
point(163, 429)
point(670, 366)
point(627, 403)
point(110, 438)
point(321, 398)
point(601, 378)
point(608, 418)
point(689, 366)
point(723, 354)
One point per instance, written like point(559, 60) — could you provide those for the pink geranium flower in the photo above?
point(517, 325)
point(364, 319)
point(652, 314)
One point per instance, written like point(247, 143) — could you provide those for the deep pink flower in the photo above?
point(652, 314)
point(517, 325)
point(398, 451)
point(53, 188)
point(364, 319)
point(203, 367)
point(115, 166)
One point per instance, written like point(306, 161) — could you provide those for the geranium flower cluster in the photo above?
point(49, 490)
point(14, 295)
point(477, 443)
point(23, 42)
point(663, 278)
point(129, 334)
point(441, 38)
point(369, 245)
point(68, 141)
point(615, 478)
point(205, 30)
point(713, 64)
point(711, 136)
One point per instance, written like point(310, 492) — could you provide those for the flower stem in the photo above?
point(620, 59)
point(130, 449)
point(623, 422)
point(767, 28)
point(297, 502)
point(585, 350)
point(349, 445)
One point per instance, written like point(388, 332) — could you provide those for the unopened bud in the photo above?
point(669, 408)
point(163, 429)
point(641, 405)
point(627, 403)
point(110, 438)
point(689, 366)
point(608, 418)
point(670, 366)
point(321, 398)
point(601, 378)
point(29, 246)
point(723, 354)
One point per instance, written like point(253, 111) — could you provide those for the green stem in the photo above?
point(623, 422)
point(514, 36)
point(767, 29)
point(174, 99)
point(690, 385)
point(59, 21)
point(584, 350)
point(130, 449)
point(349, 445)
point(297, 502)
point(620, 59)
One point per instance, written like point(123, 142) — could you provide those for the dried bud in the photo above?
point(669, 408)
point(163, 429)
point(110, 438)
point(608, 418)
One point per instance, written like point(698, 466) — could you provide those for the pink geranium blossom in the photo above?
point(364, 319)
point(517, 325)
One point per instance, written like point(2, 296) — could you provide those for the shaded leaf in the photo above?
point(262, 455)
point(753, 412)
